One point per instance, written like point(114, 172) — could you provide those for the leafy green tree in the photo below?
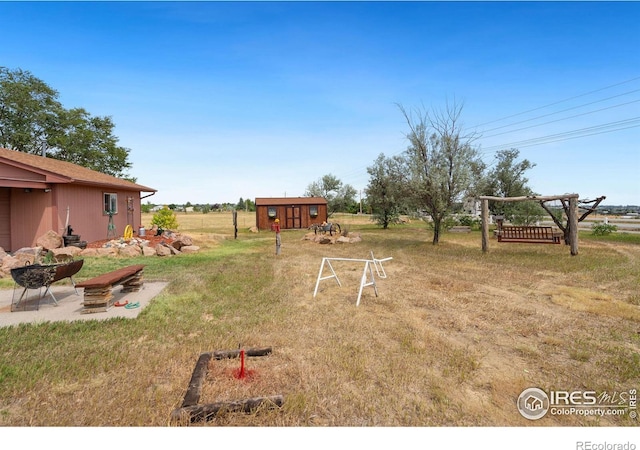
point(165, 219)
point(245, 204)
point(440, 162)
point(32, 120)
point(29, 112)
point(89, 142)
point(339, 196)
point(507, 179)
point(385, 190)
point(525, 213)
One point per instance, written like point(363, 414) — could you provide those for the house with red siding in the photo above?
point(39, 194)
point(293, 212)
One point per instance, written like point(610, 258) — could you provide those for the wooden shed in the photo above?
point(293, 212)
point(38, 194)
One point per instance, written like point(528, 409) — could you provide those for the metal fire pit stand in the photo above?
point(34, 276)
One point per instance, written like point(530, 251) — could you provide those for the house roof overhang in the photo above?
point(37, 172)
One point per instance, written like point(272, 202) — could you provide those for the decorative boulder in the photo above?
point(108, 251)
point(182, 241)
point(130, 251)
point(29, 255)
point(163, 250)
point(66, 252)
point(148, 251)
point(50, 240)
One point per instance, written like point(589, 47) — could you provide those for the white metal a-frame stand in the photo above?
point(367, 279)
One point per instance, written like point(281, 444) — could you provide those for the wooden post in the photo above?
point(485, 225)
point(573, 225)
point(235, 224)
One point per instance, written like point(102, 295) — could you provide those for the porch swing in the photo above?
point(536, 235)
point(527, 234)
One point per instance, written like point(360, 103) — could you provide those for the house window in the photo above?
point(271, 212)
point(313, 211)
point(110, 203)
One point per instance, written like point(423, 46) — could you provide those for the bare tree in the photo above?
point(440, 161)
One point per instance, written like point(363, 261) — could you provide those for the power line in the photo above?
point(563, 110)
point(564, 118)
point(573, 134)
point(548, 139)
point(558, 102)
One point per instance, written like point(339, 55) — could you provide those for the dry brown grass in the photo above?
point(452, 339)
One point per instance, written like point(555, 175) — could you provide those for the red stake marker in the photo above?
point(241, 374)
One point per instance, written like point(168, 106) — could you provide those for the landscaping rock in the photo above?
point(109, 251)
point(148, 251)
point(68, 252)
point(50, 240)
point(163, 250)
point(29, 254)
point(181, 241)
point(130, 251)
point(351, 238)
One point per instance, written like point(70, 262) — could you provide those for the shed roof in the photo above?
point(264, 201)
point(57, 171)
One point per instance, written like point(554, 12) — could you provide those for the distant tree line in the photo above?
point(204, 208)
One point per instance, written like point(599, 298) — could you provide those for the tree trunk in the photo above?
point(437, 223)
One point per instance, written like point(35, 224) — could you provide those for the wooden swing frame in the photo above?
point(572, 215)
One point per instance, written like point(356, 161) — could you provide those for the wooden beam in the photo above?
point(485, 225)
point(573, 225)
point(228, 354)
point(544, 198)
point(208, 411)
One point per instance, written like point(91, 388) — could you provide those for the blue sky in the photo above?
point(223, 100)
